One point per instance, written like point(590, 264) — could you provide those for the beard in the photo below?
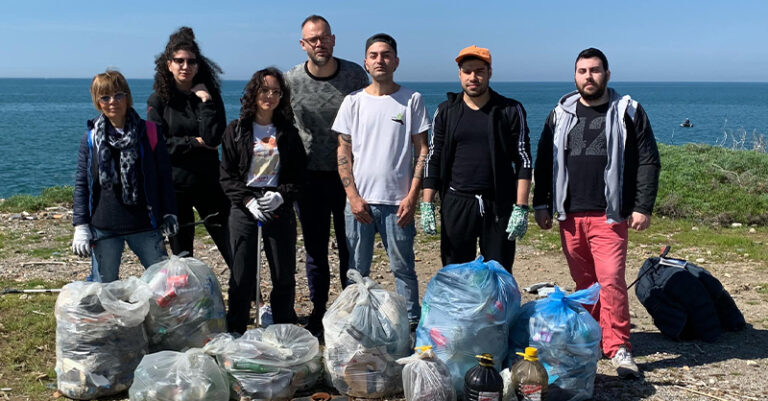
point(597, 94)
point(320, 61)
point(480, 91)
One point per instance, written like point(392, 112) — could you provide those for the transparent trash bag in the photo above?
point(426, 377)
point(568, 340)
point(269, 363)
point(174, 376)
point(100, 336)
point(366, 330)
point(187, 308)
point(467, 310)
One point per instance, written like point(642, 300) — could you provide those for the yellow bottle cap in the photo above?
point(423, 348)
point(531, 354)
point(485, 359)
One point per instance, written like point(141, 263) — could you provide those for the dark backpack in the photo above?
point(685, 301)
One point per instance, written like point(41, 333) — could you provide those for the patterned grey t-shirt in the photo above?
point(315, 102)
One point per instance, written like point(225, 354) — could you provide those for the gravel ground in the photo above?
point(733, 368)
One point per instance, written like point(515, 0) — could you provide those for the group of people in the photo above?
point(326, 144)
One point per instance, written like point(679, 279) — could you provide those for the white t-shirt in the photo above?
point(381, 129)
point(265, 163)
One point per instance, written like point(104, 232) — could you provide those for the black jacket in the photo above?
point(153, 164)
point(509, 143)
point(686, 303)
point(641, 166)
point(182, 119)
point(237, 152)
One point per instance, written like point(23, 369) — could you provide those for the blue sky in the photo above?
point(529, 40)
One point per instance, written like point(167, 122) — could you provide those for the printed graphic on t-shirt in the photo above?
point(266, 160)
point(588, 137)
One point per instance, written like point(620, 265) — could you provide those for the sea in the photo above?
point(43, 120)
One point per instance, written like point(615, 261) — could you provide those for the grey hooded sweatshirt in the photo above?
point(632, 168)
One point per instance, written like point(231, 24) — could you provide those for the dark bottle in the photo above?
point(483, 382)
point(529, 378)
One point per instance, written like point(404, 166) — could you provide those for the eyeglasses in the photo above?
point(180, 61)
point(270, 92)
point(314, 41)
point(117, 97)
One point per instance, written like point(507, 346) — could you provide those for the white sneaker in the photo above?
point(624, 364)
point(265, 315)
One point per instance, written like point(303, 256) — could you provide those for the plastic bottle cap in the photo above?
point(423, 348)
point(531, 354)
point(485, 359)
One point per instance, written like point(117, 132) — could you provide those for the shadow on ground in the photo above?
point(748, 344)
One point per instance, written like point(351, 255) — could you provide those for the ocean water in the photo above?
point(43, 120)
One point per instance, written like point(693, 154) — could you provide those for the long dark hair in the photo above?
point(207, 71)
point(283, 114)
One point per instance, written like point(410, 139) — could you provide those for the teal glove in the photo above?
point(428, 218)
point(518, 223)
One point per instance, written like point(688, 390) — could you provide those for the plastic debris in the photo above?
point(179, 376)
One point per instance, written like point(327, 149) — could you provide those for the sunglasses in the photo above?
point(117, 97)
point(271, 92)
point(181, 61)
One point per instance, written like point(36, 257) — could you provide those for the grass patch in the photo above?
point(27, 348)
point(713, 184)
point(53, 196)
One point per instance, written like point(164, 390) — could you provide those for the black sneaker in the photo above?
point(315, 324)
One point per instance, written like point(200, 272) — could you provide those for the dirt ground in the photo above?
point(733, 368)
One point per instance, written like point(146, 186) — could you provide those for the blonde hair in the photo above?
point(109, 82)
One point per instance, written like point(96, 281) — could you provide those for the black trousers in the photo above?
point(207, 199)
point(466, 218)
point(279, 236)
point(322, 197)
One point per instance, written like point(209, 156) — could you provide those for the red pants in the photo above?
point(597, 252)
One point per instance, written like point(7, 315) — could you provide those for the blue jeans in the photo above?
point(106, 253)
point(398, 242)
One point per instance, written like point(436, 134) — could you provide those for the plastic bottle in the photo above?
point(483, 382)
point(529, 378)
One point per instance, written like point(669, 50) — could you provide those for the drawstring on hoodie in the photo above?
point(480, 204)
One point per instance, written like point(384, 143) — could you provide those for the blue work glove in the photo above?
point(518, 223)
point(428, 224)
point(170, 226)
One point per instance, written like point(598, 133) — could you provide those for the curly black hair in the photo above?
point(207, 71)
point(283, 114)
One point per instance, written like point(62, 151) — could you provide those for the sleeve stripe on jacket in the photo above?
point(526, 158)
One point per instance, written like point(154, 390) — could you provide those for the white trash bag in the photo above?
point(187, 307)
point(269, 363)
point(426, 377)
point(366, 331)
point(174, 376)
point(100, 336)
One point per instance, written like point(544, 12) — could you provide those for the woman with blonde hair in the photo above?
point(123, 191)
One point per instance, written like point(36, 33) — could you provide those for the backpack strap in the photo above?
point(151, 134)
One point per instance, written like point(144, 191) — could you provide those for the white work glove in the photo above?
point(81, 242)
point(260, 215)
point(170, 226)
point(270, 201)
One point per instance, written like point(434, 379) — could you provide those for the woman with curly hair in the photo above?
point(187, 106)
point(123, 190)
point(262, 168)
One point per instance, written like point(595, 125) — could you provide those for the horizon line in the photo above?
point(451, 81)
